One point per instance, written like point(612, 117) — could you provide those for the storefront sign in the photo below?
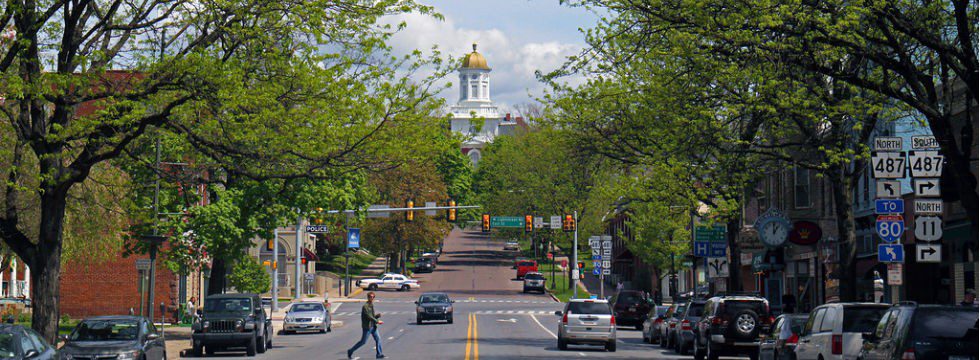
point(805, 233)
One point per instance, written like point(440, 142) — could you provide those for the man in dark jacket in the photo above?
point(369, 325)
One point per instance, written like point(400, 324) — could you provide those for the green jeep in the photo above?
point(230, 321)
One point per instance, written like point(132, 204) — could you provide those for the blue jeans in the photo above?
point(364, 336)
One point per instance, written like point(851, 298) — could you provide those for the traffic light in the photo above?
point(486, 222)
point(409, 215)
point(451, 213)
point(319, 216)
point(568, 225)
point(269, 244)
point(528, 223)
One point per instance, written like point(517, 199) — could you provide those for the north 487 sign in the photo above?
point(926, 163)
point(888, 165)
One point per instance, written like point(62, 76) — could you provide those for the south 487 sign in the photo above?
point(925, 164)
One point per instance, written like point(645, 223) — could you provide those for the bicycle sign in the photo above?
point(890, 227)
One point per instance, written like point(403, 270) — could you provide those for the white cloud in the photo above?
point(513, 60)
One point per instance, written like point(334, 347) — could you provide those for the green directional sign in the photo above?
point(710, 233)
point(507, 222)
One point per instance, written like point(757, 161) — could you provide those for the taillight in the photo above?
point(837, 344)
point(793, 339)
point(685, 325)
point(717, 320)
point(658, 321)
point(672, 325)
point(909, 354)
point(564, 318)
point(612, 321)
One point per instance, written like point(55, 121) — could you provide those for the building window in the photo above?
point(801, 187)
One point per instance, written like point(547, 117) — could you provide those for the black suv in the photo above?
point(423, 265)
point(923, 332)
point(732, 325)
point(232, 320)
point(631, 308)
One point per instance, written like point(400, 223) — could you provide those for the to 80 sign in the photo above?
point(890, 227)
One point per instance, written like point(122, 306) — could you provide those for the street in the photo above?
point(493, 319)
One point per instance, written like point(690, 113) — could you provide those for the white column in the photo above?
point(12, 285)
point(27, 281)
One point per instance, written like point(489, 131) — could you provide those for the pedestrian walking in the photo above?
point(970, 298)
point(191, 309)
point(369, 325)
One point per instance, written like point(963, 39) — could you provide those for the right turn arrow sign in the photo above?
point(928, 253)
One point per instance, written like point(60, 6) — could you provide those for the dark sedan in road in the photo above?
point(434, 306)
point(18, 342)
point(114, 337)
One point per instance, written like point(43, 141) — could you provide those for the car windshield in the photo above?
point(862, 319)
point(534, 277)
point(946, 324)
point(695, 309)
point(8, 350)
point(434, 298)
point(526, 263)
point(594, 308)
point(105, 330)
point(228, 305)
point(306, 307)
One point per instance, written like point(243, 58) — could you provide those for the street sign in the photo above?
point(555, 222)
point(606, 272)
point(353, 238)
point(888, 165)
point(594, 242)
point(596, 271)
point(890, 227)
point(926, 164)
point(889, 206)
point(430, 204)
point(926, 187)
point(895, 274)
point(606, 252)
point(143, 264)
point(924, 142)
point(888, 143)
point(314, 229)
point(710, 233)
point(506, 222)
point(538, 222)
point(888, 189)
point(701, 249)
point(596, 252)
point(717, 267)
point(928, 207)
point(606, 264)
point(928, 253)
point(891, 253)
point(378, 214)
point(607, 244)
point(928, 228)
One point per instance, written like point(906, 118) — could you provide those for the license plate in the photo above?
point(632, 309)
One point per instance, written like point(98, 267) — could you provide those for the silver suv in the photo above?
point(587, 321)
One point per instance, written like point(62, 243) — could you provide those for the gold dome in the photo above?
point(475, 60)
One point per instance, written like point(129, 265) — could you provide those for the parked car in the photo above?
point(653, 323)
point(772, 349)
point(525, 267)
point(671, 319)
point(114, 337)
point(534, 281)
point(434, 306)
point(732, 325)
point(631, 308)
point(424, 265)
point(389, 281)
point(924, 332)
point(834, 331)
point(683, 339)
point(518, 260)
point(512, 246)
point(231, 321)
point(307, 316)
point(587, 321)
point(18, 342)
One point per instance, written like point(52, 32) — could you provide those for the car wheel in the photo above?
point(373, 287)
point(260, 345)
point(197, 350)
point(611, 346)
point(250, 347)
point(406, 288)
point(562, 344)
point(268, 342)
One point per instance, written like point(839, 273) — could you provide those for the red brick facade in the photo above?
point(111, 288)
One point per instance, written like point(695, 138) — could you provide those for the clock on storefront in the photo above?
point(773, 228)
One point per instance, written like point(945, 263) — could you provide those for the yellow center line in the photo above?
point(472, 345)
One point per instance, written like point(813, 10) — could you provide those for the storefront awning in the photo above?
point(309, 255)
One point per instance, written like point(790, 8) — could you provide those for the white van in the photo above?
point(833, 331)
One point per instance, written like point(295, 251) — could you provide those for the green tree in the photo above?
point(263, 90)
point(248, 276)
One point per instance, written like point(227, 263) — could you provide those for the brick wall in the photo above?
point(111, 288)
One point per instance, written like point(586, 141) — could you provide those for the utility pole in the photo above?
point(347, 254)
point(275, 270)
point(297, 281)
point(575, 273)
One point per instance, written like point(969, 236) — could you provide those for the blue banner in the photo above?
point(353, 238)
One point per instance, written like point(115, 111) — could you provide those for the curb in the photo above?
point(355, 293)
point(553, 297)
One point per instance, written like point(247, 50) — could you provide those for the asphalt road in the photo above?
point(492, 320)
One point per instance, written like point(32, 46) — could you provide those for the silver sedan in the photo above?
point(307, 316)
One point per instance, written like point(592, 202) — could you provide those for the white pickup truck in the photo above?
point(389, 281)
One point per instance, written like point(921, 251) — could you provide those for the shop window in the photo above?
point(801, 187)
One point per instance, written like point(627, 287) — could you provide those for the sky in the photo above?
point(517, 37)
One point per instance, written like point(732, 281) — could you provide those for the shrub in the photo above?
point(248, 276)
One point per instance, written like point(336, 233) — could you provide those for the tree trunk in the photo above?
point(46, 265)
point(842, 186)
point(216, 283)
point(734, 268)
